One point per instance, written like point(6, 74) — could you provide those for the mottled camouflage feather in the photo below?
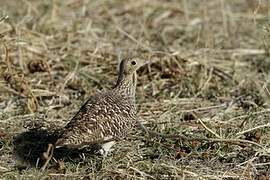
point(106, 115)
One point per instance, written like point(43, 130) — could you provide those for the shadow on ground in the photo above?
point(29, 147)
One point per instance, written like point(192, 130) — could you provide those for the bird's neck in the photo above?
point(126, 85)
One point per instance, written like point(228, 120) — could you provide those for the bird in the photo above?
point(104, 118)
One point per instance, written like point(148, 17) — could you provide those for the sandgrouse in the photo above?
point(106, 117)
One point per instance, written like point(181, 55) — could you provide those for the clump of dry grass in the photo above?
point(208, 80)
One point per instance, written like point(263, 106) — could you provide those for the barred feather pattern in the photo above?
point(106, 115)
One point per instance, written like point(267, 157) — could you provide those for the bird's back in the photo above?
point(106, 115)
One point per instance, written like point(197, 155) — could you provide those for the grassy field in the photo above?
point(208, 80)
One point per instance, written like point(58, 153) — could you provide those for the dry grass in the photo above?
point(209, 79)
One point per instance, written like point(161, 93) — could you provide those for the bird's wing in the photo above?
point(98, 120)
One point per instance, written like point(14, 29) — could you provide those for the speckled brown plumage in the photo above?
point(107, 115)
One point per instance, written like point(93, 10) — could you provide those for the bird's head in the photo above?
point(131, 65)
point(127, 73)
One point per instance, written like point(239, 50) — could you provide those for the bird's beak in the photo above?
point(142, 62)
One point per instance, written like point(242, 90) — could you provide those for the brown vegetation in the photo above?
point(207, 81)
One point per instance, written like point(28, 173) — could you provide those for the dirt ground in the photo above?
point(207, 81)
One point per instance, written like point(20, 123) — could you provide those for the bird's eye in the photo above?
point(133, 63)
